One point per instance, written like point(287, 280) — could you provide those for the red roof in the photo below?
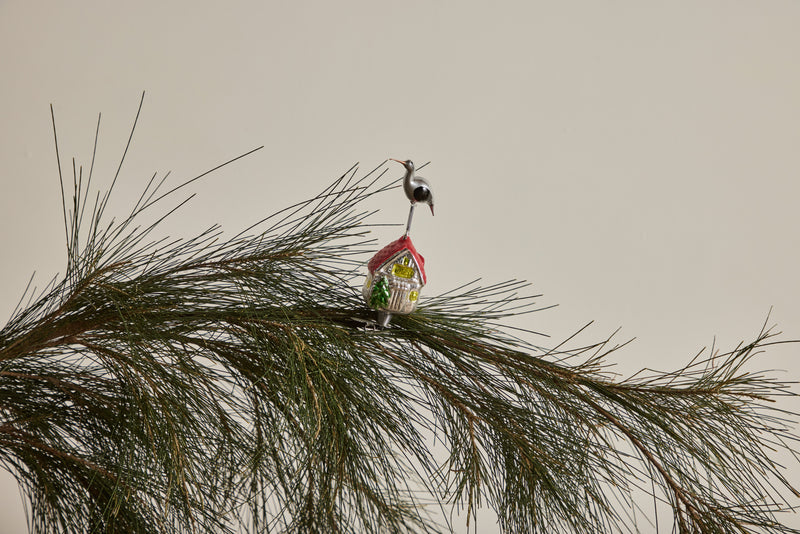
point(404, 243)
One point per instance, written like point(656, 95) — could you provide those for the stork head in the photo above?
point(408, 164)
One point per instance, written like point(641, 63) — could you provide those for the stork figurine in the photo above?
point(417, 189)
point(396, 274)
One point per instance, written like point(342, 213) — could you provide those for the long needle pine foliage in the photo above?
point(221, 384)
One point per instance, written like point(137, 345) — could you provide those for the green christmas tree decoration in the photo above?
point(222, 384)
point(380, 293)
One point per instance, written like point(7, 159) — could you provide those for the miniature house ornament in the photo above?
point(395, 277)
point(396, 274)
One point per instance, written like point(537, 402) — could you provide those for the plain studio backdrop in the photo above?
point(636, 161)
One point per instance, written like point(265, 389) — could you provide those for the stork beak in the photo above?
point(397, 160)
point(431, 205)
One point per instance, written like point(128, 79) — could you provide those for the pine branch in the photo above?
point(214, 383)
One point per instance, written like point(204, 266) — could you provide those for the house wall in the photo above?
point(401, 288)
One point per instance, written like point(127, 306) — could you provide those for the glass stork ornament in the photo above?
point(396, 273)
point(417, 189)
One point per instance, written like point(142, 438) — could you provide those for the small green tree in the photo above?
point(379, 297)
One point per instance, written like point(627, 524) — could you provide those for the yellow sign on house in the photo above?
point(403, 271)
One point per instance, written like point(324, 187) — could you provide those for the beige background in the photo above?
point(637, 161)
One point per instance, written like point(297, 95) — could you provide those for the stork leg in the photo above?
point(410, 216)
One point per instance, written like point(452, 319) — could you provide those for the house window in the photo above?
point(403, 271)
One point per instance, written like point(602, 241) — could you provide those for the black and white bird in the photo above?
point(417, 188)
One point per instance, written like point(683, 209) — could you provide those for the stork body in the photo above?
point(416, 188)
